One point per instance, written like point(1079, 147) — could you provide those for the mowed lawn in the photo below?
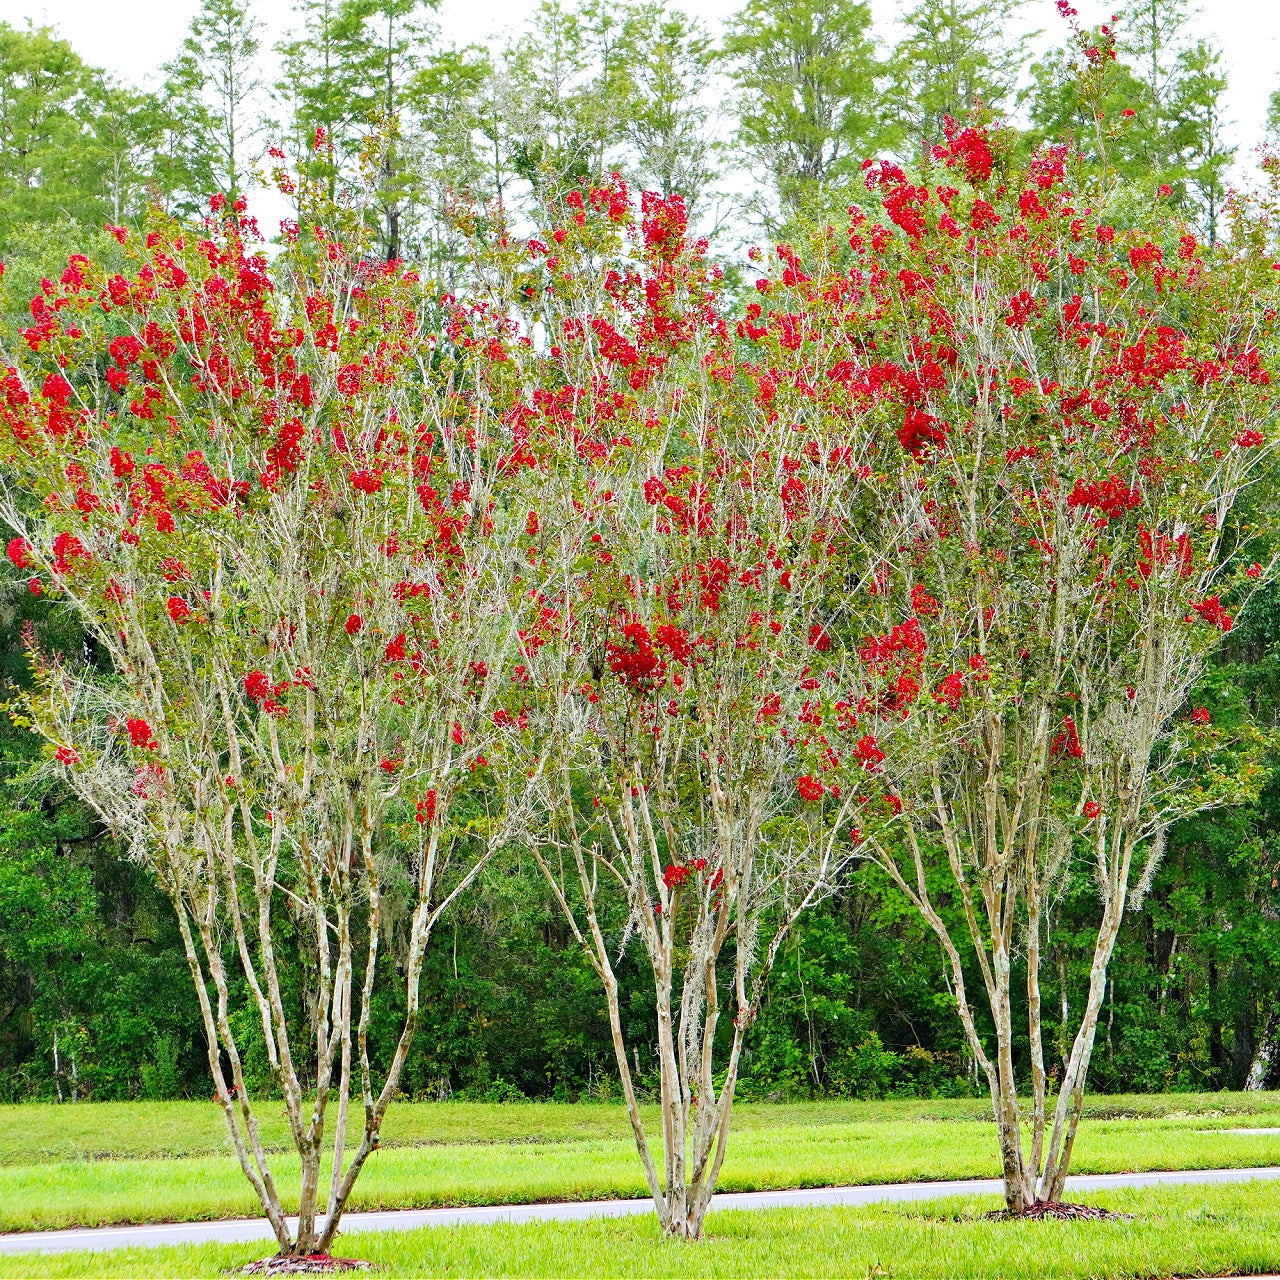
point(1187, 1231)
point(79, 1165)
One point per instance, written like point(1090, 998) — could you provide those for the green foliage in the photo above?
point(956, 57)
point(61, 156)
point(806, 71)
point(858, 1006)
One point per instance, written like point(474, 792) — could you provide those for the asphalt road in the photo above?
point(241, 1229)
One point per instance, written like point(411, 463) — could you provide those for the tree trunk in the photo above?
point(1264, 1055)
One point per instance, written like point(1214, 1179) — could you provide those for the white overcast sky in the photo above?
point(131, 38)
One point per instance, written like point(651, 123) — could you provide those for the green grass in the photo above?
point(37, 1132)
point(819, 1144)
point(1186, 1231)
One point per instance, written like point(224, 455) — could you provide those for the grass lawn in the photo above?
point(464, 1154)
point(1187, 1231)
point(38, 1132)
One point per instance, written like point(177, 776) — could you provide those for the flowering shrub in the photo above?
point(1064, 415)
point(277, 527)
point(688, 542)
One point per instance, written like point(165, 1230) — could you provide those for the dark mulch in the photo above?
point(1060, 1209)
point(305, 1264)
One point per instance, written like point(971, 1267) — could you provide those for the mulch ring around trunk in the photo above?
point(304, 1264)
point(1059, 1209)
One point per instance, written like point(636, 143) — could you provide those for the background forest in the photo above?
point(760, 125)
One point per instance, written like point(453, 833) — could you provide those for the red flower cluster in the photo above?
point(1068, 740)
point(968, 148)
point(265, 694)
point(1111, 497)
point(950, 690)
point(633, 659)
point(810, 788)
point(1212, 612)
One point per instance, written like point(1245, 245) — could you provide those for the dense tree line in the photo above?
point(788, 101)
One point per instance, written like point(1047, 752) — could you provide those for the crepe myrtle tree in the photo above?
point(262, 492)
point(685, 547)
point(1069, 419)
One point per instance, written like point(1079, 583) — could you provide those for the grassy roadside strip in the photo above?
point(99, 1193)
point(34, 1133)
point(1186, 1231)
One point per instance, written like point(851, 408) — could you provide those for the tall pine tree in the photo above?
point(213, 91)
point(955, 57)
point(806, 73)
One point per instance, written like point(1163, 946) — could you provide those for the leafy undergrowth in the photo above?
point(813, 1153)
point(1186, 1231)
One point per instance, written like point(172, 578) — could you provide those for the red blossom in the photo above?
point(66, 548)
point(968, 148)
point(950, 690)
point(1068, 740)
point(1212, 612)
point(257, 686)
point(809, 787)
point(633, 659)
point(923, 605)
point(426, 808)
point(140, 734)
point(1112, 497)
point(674, 876)
point(675, 640)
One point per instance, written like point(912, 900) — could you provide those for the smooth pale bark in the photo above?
point(694, 1114)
